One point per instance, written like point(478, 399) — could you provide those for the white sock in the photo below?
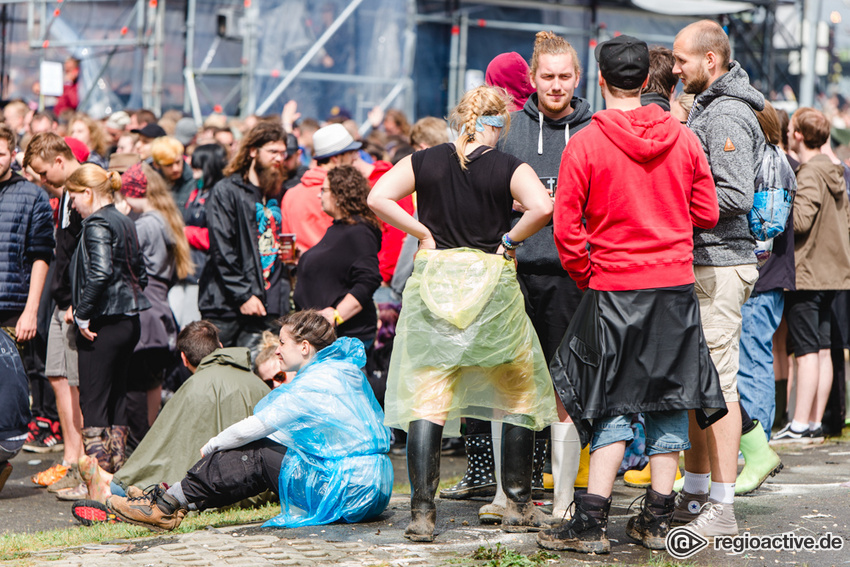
point(723, 492)
point(696, 483)
point(799, 427)
point(814, 425)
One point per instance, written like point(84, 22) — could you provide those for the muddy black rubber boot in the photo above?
point(521, 515)
point(424, 440)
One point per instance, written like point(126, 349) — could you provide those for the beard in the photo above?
point(271, 178)
point(554, 109)
point(697, 84)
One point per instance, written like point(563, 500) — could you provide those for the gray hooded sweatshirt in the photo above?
point(724, 120)
point(539, 141)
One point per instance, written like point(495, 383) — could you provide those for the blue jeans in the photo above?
point(8, 449)
point(666, 431)
point(761, 316)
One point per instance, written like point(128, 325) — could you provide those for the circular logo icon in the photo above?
point(683, 543)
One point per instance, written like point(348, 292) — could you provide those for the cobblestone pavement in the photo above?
point(806, 498)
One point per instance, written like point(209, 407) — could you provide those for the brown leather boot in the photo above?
point(155, 509)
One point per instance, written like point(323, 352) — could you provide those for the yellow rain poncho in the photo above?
point(465, 347)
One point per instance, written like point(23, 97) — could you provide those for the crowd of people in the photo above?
point(553, 284)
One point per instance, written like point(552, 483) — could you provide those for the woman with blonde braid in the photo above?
point(464, 346)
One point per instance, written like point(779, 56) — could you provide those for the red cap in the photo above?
point(79, 149)
point(133, 182)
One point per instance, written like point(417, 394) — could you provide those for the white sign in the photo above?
point(52, 78)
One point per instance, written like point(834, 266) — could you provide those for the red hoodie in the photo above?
point(301, 210)
point(510, 71)
point(642, 182)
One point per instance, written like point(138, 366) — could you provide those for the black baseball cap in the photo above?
point(623, 61)
point(291, 145)
point(150, 131)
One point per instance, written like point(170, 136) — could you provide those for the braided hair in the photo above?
point(481, 101)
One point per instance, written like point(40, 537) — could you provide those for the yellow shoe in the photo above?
point(641, 478)
point(51, 475)
point(583, 468)
point(638, 478)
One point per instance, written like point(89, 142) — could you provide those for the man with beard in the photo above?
point(241, 289)
point(301, 209)
point(538, 135)
point(724, 120)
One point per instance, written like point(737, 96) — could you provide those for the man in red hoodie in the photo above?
point(635, 344)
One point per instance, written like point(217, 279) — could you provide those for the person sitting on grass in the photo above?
point(319, 442)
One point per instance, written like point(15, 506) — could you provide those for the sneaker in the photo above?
point(687, 507)
point(90, 512)
point(69, 480)
point(788, 436)
point(155, 509)
point(48, 438)
point(715, 519)
point(651, 525)
point(586, 531)
point(4, 474)
point(73, 493)
point(51, 475)
point(815, 436)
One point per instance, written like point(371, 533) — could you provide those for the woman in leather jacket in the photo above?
point(107, 278)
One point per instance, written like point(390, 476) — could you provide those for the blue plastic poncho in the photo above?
point(336, 465)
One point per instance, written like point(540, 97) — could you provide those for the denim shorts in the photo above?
point(666, 431)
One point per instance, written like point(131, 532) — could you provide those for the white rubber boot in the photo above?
point(566, 452)
point(492, 513)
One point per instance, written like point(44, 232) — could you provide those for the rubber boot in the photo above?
point(424, 440)
point(541, 448)
point(566, 454)
point(583, 468)
point(492, 513)
point(480, 478)
point(585, 532)
point(96, 444)
point(761, 461)
point(654, 520)
point(118, 445)
point(521, 515)
point(642, 478)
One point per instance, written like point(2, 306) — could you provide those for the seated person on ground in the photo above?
point(319, 442)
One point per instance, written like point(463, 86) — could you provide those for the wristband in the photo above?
point(510, 244)
point(338, 320)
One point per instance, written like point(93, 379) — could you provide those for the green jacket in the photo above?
point(222, 392)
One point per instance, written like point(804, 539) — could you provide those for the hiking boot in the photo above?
point(90, 512)
point(651, 525)
point(47, 439)
point(155, 509)
point(96, 444)
point(687, 507)
point(642, 478)
point(715, 519)
point(480, 478)
point(586, 531)
point(5, 472)
point(69, 480)
point(51, 475)
point(760, 461)
point(73, 493)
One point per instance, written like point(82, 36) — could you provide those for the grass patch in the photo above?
point(488, 556)
point(21, 546)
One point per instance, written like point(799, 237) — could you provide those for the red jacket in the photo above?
point(392, 238)
point(642, 182)
point(301, 211)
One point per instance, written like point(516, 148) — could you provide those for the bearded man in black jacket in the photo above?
point(243, 287)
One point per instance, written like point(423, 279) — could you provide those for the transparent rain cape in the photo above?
point(465, 347)
point(335, 467)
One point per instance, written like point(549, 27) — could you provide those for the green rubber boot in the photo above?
point(761, 461)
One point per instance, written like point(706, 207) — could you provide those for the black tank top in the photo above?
point(469, 208)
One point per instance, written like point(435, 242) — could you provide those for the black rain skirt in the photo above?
point(636, 351)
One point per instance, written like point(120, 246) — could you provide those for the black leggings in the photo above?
point(103, 369)
point(228, 477)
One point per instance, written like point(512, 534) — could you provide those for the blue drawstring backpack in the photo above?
point(775, 188)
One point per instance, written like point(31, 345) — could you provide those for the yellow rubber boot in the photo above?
point(638, 478)
point(583, 468)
